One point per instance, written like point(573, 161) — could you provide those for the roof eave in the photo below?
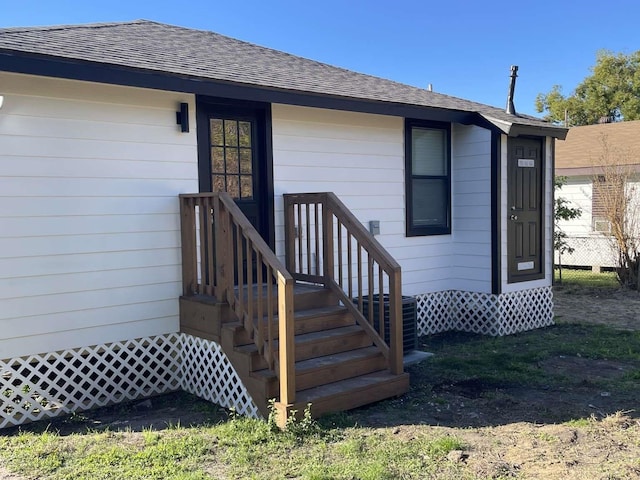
point(515, 129)
point(74, 69)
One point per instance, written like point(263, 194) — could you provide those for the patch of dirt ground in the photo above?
point(619, 308)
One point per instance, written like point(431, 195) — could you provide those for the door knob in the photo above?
point(513, 217)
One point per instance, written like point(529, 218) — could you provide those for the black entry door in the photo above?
point(525, 196)
point(232, 156)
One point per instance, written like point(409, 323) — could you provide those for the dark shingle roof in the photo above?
point(156, 47)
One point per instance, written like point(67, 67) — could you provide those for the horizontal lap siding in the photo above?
point(360, 158)
point(471, 212)
point(89, 217)
point(578, 192)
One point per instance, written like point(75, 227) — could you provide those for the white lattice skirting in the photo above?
point(46, 385)
point(207, 373)
point(485, 313)
point(50, 384)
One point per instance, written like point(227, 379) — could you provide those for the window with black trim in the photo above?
point(428, 178)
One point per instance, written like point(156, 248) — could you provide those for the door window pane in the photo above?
point(231, 133)
point(217, 159)
point(246, 186)
point(245, 160)
point(244, 134)
point(233, 187)
point(218, 183)
point(232, 161)
point(217, 131)
point(232, 157)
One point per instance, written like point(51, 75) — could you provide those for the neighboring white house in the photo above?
point(93, 156)
point(580, 158)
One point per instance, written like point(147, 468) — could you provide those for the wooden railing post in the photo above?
point(395, 323)
point(286, 353)
point(327, 243)
point(225, 252)
point(220, 234)
point(188, 239)
point(289, 234)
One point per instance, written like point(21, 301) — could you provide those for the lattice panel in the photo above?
point(207, 373)
point(485, 313)
point(434, 312)
point(526, 310)
point(50, 384)
point(475, 312)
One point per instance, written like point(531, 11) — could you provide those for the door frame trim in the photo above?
point(264, 145)
point(496, 226)
point(527, 277)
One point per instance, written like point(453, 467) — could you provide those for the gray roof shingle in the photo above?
point(157, 47)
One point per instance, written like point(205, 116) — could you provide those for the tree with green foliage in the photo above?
point(562, 211)
point(611, 92)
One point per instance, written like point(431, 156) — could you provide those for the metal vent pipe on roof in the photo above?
point(511, 108)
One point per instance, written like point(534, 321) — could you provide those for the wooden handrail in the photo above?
point(312, 219)
point(224, 255)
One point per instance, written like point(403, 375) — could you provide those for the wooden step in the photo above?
point(315, 344)
point(329, 342)
point(340, 366)
point(352, 392)
point(305, 296)
point(306, 321)
point(327, 369)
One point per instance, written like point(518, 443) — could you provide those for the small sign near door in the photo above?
point(525, 266)
point(526, 162)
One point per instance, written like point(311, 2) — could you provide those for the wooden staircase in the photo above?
point(299, 338)
point(337, 366)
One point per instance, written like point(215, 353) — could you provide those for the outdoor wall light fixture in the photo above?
point(182, 117)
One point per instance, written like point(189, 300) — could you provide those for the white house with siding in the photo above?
point(587, 153)
point(113, 288)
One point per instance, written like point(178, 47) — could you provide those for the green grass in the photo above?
point(587, 278)
point(237, 448)
point(515, 359)
point(336, 447)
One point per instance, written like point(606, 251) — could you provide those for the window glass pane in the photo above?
point(231, 133)
point(245, 160)
point(216, 131)
point(217, 160)
point(429, 202)
point(428, 151)
point(218, 183)
point(246, 186)
point(233, 187)
point(232, 160)
point(244, 134)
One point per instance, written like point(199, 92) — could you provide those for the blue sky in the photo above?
point(463, 47)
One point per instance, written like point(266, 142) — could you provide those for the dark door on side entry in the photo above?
point(232, 158)
point(525, 197)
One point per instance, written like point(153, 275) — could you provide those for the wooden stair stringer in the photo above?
point(256, 387)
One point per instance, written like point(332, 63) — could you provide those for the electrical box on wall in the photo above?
point(374, 227)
